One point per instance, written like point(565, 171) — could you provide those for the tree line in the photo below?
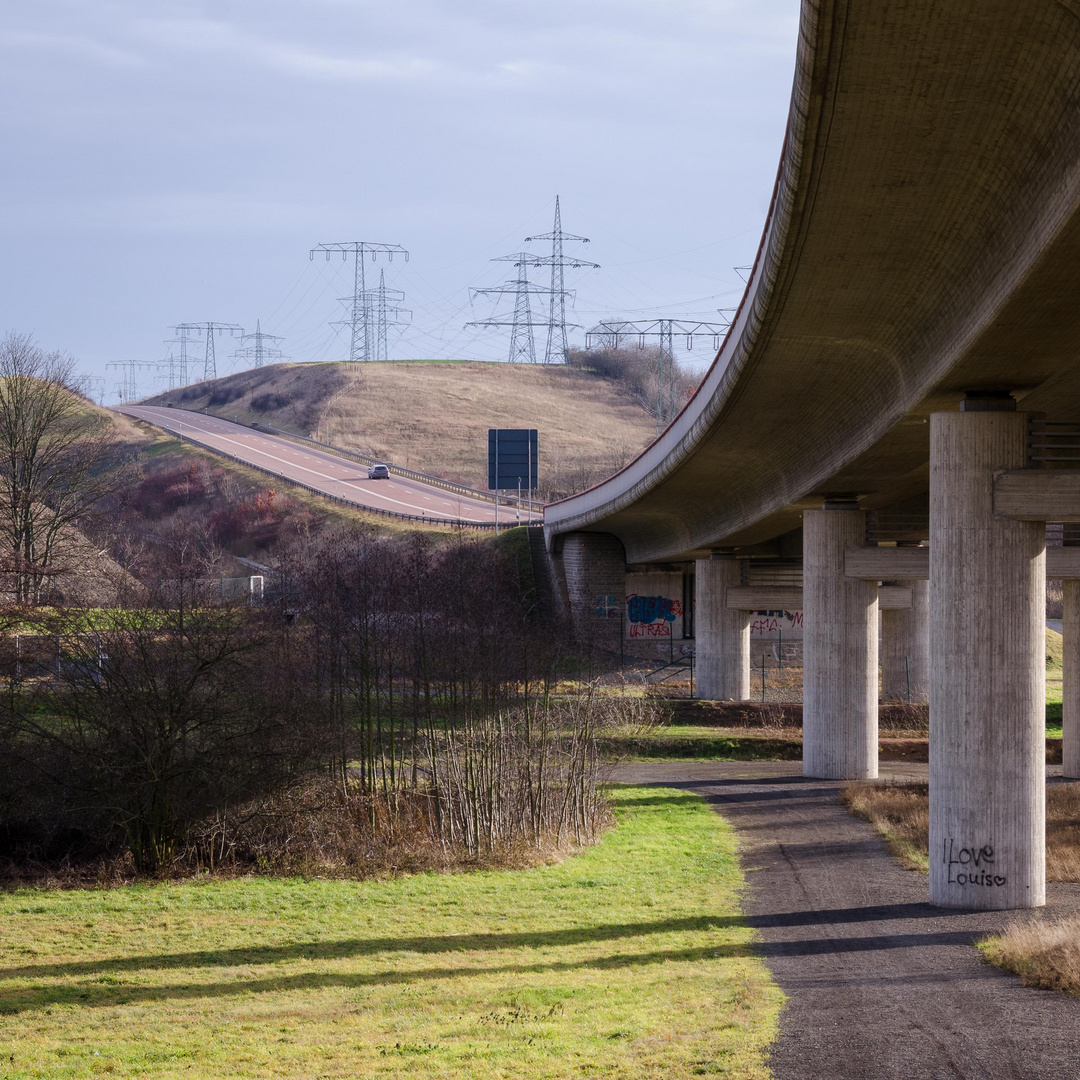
point(389, 692)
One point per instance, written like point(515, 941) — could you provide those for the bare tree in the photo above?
point(54, 453)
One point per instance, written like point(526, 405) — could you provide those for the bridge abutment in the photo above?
point(721, 634)
point(905, 647)
point(987, 679)
point(840, 650)
point(594, 568)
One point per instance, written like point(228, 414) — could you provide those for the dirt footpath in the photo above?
point(880, 984)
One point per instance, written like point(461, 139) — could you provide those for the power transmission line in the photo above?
point(361, 332)
point(383, 304)
point(91, 385)
point(557, 344)
point(610, 334)
point(522, 345)
point(128, 387)
point(209, 329)
point(259, 353)
point(177, 368)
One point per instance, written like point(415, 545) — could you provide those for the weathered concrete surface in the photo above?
point(923, 240)
point(840, 652)
point(881, 986)
point(987, 672)
point(722, 635)
point(905, 646)
point(594, 569)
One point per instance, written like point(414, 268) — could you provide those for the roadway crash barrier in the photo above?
point(411, 474)
point(455, 523)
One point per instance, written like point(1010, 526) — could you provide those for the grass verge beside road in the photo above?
point(629, 960)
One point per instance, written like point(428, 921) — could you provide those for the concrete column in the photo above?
point(1070, 679)
point(594, 565)
point(840, 650)
point(987, 678)
point(721, 636)
point(905, 647)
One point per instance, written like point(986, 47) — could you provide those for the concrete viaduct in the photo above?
point(897, 404)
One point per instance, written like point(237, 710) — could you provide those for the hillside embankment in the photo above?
point(434, 416)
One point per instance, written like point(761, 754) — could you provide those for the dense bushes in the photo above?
point(246, 518)
point(393, 695)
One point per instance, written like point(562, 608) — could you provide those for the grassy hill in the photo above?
point(434, 415)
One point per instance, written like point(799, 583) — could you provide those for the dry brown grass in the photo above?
point(1043, 954)
point(435, 416)
point(901, 813)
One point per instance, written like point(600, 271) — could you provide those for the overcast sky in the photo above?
point(171, 161)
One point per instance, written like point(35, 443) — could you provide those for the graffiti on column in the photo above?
point(765, 624)
point(607, 607)
point(652, 616)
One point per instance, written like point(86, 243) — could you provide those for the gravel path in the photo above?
point(880, 983)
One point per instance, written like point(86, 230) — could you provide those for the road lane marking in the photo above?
point(315, 455)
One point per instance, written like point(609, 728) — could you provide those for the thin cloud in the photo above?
point(25, 40)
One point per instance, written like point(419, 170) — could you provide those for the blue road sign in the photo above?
point(513, 455)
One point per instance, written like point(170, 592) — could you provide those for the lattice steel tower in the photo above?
point(522, 345)
point(259, 353)
point(177, 368)
point(361, 331)
point(555, 352)
point(128, 388)
point(610, 334)
point(209, 329)
point(382, 308)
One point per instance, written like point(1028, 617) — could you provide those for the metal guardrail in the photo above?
point(454, 523)
point(411, 474)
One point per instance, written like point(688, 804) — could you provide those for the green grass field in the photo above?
point(627, 960)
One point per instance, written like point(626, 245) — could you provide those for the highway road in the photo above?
point(324, 471)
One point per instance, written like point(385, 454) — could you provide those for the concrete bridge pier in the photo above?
point(905, 647)
point(594, 566)
point(1070, 678)
point(721, 634)
point(840, 650)
point(987, 690)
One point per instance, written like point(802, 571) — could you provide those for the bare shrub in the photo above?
point(635, 370)
point(772, 715)
point(396, 698)
point(57, 458)
point(904, 717)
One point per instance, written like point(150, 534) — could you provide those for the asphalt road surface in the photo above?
point(880, 984)
point(324, 471)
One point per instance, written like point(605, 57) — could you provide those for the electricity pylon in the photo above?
point(383, 304)
point(177, 368)
point(522, 345)
point(555, 352)
point(610, 334)
point(128, 387)
point(209, 329)
point(361, 332)
point(259, 353)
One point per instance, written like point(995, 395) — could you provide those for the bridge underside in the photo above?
point(924, 241)
point(911, 331)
